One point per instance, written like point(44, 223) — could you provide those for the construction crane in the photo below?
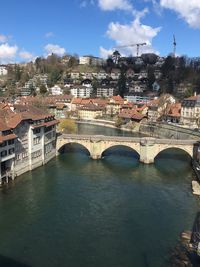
point(174, 44)
point(131, 45)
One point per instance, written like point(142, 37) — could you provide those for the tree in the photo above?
point(67, 126)
point(43, 89)
point(116, 56)
point(119, 122)
point(122, 84)
point(54, 76)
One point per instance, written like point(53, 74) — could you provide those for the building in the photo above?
point(115, 74)
point(137, 87)
point(157, 74)
point(130, 73)
point(90, 112)
point(182, 88)
point(104, 91)
point(75, 75)
point(28, 138)
point(173, 113)
point(81, 91)
point(56, 90)
point(114, 105)
point(3, 70)
point(131, 116)
point(190, 111)
point(155, 86)
point(7, 149)
point(90, 60)
point(25, 91)
point(101, 75)
point(138, 98)
point(143, 74)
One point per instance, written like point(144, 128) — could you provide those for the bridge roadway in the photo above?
point(146, 147)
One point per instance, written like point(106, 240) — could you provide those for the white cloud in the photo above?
point(189, 10)
point(27, 56)
point(49, 34)
point(132, 33)
point(3, 38)
point(7, 53)
point(55, 49)
point(115, 4)
point(105, 53)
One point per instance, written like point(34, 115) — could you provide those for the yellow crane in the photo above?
point(131, 45)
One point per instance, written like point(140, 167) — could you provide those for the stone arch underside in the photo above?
point(187, 149)
point(63, 144)
point(133, 147)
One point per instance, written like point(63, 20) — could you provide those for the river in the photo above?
point(113, 212)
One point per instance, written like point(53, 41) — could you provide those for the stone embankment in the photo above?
point(163, 130)
point(196, 188)
point(184, 254)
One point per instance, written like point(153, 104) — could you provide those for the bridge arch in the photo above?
point(61, 148)
point(126, 148)
point(187, 150)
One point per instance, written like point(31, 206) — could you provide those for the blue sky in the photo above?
point(36, 28)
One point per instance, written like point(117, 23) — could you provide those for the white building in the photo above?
point(101, 75)
point(56, 90)
point(90, 60)
point(27, 140)
point(105, 91)
point(81, 91)
point(115, 74)
point(3, 70)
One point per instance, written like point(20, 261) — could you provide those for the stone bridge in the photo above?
point(146, 147)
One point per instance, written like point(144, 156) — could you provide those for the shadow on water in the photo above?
point(74, 148)
point(173, 162)
point(120, 158)
point(8, 262)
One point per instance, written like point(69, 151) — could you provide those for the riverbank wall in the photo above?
point(161, 130)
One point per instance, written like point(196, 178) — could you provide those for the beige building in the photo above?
point(90, 112)
point(190, 111)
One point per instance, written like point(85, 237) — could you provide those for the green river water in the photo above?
point(113, 212)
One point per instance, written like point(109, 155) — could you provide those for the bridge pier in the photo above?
point(95, 156)
point(147, 151)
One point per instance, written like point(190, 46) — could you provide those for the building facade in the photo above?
point(28, 140)
point(190, 111)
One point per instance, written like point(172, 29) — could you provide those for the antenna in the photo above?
point(174, 44)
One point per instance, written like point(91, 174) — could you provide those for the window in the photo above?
point(11, 142)
point(18, 157)
point(36, 154)
point(36, 140)
point(37, 130)
point(4, 153)
point(11, 151)
point(3, 144)
point(24, 155)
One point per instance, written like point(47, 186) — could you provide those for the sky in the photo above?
point(32, 28)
